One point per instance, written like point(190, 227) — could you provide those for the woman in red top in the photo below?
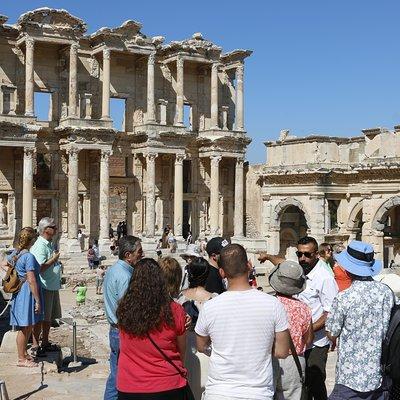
point(146, 313)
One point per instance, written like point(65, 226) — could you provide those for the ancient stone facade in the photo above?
point(177, 160)
point(335, 189)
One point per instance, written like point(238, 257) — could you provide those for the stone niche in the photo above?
point(4, 218)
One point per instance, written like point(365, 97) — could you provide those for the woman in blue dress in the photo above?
point(26, 305)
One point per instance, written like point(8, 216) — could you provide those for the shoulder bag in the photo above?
point(188, 395)
point(304, 393)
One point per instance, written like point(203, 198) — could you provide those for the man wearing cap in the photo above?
point(214, 282)
point(319, 293)
point(360, 316)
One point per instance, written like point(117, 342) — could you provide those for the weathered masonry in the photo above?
point(177, 159)
point(335, 189)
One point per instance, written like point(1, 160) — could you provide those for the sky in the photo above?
point(318, 67)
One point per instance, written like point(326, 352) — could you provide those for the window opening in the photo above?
point(117, 113)
point(42, 101)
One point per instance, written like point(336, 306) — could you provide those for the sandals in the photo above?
point(27, 363)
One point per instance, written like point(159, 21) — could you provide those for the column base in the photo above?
point(73, 246)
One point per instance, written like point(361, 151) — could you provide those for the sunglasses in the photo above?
point(52, 227)
point(306, 254)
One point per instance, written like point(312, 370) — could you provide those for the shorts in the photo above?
point(99, 282)
point(52, 305)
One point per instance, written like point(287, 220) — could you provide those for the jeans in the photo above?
point(111, 392)
point(341, 392)
point(316, 372)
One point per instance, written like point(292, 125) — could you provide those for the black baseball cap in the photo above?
point(215, 245)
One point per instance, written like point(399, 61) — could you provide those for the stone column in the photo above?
point(73, 79)
point(224, 112)
point(27, 195)
point(214, 195)
point(29, 77)
point(105, 110)
point(104, 197)
point(179, 91)
point(239, 120)
point(73, 193)
point(151, 114)
point(178, 195)
point(238, 212)
point(150, 194)
point(214, 96)
point(163, 111)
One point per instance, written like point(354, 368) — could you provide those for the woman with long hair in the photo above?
point(26, 305)
point(193, 300)
point(152, 338)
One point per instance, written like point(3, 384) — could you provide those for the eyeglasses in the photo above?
point(306, 254)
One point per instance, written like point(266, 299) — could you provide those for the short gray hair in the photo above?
point(44, 223)
point(127, 244)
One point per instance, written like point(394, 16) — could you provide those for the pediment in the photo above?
point(49, 19)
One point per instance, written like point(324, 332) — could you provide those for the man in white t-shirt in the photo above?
point(239, 328)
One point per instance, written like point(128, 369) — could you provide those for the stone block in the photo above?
point(9, 344)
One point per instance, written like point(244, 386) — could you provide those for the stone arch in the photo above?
point(282, 206)
point(378, 222)
point(352, 221)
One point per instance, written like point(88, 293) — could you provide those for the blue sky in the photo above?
point(317, 67)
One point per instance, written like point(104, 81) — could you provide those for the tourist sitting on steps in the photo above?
point(27, 303)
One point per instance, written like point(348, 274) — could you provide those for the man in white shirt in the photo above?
point(320, 291)
point(240, 328)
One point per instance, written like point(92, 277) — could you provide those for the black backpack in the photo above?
point(391, 347)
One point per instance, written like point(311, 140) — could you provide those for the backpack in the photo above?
point(12, 282)
point(391, 347)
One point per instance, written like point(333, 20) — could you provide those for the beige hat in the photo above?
point(288, 278)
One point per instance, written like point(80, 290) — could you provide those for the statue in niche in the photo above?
point(3, 212)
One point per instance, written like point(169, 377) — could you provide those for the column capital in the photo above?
point(151, 157)
point(179, 158)
point(73, 152)
point(29, 43)
point(179, 62)
point(215, 160)
point(240, 71)
point(240, 161)
point(74, 48)
point(29, 152)
point(215, 66)
point(106, 54)
point(105, 154)
point(152, 58)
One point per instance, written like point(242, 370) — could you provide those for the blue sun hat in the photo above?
point(358, 259)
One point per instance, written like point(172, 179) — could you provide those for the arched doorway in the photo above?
point(387, 220)
point(293, 226)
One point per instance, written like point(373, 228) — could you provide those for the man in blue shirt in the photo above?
point(115, 285)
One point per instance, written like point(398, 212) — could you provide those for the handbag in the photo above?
point(304, 390)
point(188, 394)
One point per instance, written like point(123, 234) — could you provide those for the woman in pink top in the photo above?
point(288, 279)
point(148, 318)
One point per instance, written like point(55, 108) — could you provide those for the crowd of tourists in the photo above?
point(202, 332)
point(209, 335)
